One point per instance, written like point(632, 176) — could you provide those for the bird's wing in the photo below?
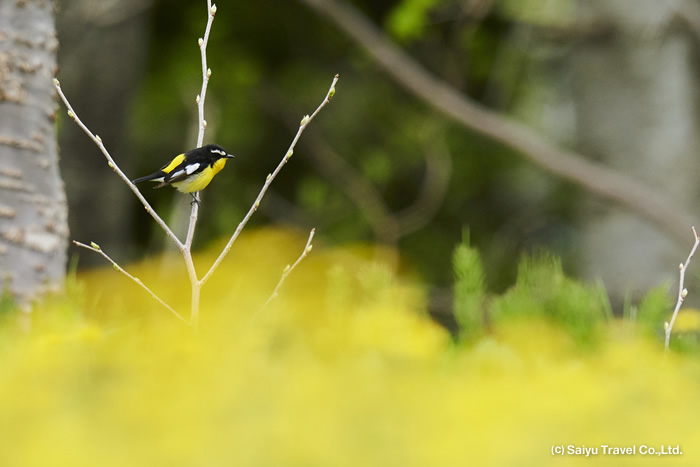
point(183, 171)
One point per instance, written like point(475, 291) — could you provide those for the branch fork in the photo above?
point(185, 247)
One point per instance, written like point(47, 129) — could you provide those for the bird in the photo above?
point(190, 171)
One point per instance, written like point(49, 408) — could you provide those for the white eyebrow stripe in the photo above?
point(190, 169)
point(219, 151)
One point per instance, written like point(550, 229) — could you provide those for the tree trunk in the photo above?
point(635, 110)
point(33, 210)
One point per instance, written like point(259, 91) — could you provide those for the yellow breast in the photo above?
point(200, 181)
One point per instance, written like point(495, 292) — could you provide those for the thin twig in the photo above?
point(304, 122)
point(96, 248)
point(682, 291)
point(202, 124)
point(206, 72)
point(113, 165)
point(288, 269)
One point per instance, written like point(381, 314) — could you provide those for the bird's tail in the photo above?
point(156, 177)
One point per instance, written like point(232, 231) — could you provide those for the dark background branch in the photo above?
point(596, 178)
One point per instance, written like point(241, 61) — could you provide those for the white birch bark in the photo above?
point(33, 212)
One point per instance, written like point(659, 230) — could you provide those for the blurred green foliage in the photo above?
point(542, 291)
point(469, 290)
point(409, 19)
point(653, 309)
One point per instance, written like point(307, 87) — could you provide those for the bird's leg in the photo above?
point(194, 199)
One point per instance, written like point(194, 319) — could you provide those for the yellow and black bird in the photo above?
point(191, 171)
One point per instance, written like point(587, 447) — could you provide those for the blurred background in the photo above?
point(606, 89)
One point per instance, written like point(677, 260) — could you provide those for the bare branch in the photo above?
point(194, 213)
point(302, 126)
point(682, 292)
point(113, 165)
point(202, 124)
point(206, 72)
point(96, 248)
point(597, 178)
point(288, 270)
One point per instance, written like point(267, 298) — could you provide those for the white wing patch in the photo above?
point(190, 169)
point(219, 151)
point(176, 174)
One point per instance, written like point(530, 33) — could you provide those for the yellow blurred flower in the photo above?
point(343, 369)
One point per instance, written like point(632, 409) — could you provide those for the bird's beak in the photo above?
point(229, 156)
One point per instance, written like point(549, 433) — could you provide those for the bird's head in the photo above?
point(217, 151)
